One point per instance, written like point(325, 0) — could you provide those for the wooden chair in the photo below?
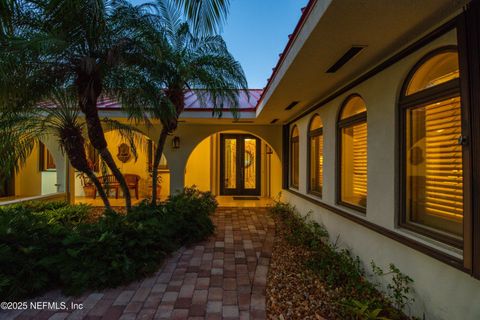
point(132, 182)
point(110, 183)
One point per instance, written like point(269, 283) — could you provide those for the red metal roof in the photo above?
point(193, 103)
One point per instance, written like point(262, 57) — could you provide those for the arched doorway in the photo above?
point(234, 164)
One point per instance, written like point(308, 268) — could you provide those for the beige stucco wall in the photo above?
point(198, 168)
point(442, 292)
point(28, 181)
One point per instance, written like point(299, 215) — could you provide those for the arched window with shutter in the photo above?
point(352, 139)
point(431, 148)
point(315, 156)
point(294, 155)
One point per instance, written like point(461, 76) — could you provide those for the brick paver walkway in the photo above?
point(221, 278)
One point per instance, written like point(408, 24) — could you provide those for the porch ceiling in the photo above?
point(333, 27)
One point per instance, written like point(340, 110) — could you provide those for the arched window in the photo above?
point(352, 131)
point(294, 153)
point(431, 148)
point(315, 155)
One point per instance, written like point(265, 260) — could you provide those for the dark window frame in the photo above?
point(416, 100)
point(313, 134)
point(341, 124)
point(295, 140)
point(43, 159)
point(151, 148)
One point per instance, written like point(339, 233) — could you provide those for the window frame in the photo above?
point(446, 90)
point(341, 124)
point(312, 134)
point(43, 159)
point(292, 168)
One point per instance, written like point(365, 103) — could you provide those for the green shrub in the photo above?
point(52, 245)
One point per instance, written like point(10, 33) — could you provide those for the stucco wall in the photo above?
point(28, 181)
point(198, 168)
point(442, 292)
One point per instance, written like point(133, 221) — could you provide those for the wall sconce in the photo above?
point(176, 142)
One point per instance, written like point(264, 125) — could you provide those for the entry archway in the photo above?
point(207, 165)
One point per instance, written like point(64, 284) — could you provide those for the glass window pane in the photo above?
point(250, 156)
point(354, 106)
point(294, 157)
point(295, 132)
point(434, 166)
point(354, 165)
point(316, 163)
point(316, 123)
point(439, 69)
point(230, 163)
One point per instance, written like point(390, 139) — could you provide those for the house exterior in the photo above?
point(369, 122)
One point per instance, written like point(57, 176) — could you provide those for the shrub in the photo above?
point(53, 245)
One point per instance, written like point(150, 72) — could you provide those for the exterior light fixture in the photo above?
point(176, 142)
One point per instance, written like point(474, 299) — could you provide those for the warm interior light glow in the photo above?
point(434, 166)
point(354, 164)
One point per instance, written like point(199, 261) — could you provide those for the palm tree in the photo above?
point(88, 44)
point(93, 45)
point(60, 118)
point(205, 16)
point(179, 61)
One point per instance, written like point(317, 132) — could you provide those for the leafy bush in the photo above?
point(53, 245)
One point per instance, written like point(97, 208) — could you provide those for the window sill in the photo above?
point(443, 253)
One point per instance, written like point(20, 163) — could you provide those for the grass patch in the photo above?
point(56, 245)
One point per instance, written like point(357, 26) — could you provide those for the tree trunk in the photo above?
point(89, 85)
point(177, 97)
point(107, 157)
point(74, 145)
point(156, 162)
point(100, 189)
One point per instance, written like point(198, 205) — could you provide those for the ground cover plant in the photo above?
point(311, 277)
point(56, 245)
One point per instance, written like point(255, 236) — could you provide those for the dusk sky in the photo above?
point(257, 31)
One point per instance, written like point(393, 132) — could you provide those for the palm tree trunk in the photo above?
point(100, 189)
point(156, 162)
point(73, 143)
point(89, 89)
point(107, 157)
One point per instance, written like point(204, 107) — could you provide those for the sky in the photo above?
point(256, 32)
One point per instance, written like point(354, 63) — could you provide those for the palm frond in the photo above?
point(205, 16)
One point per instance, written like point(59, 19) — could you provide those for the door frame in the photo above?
point(240, 161)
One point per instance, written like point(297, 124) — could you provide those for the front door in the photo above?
point(239, 164)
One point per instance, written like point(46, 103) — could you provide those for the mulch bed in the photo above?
point(293, 290)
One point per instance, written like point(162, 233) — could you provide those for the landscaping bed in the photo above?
point(55, 245)
point(310, 278)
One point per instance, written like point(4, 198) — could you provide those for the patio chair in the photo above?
point(132, 182)
point(109, 181)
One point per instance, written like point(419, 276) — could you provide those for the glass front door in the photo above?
point(240, 165)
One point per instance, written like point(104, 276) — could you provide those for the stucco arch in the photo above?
point(192, 135)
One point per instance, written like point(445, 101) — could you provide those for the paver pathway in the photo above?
point(221, 278)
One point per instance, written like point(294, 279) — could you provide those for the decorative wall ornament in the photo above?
point(124, 153)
